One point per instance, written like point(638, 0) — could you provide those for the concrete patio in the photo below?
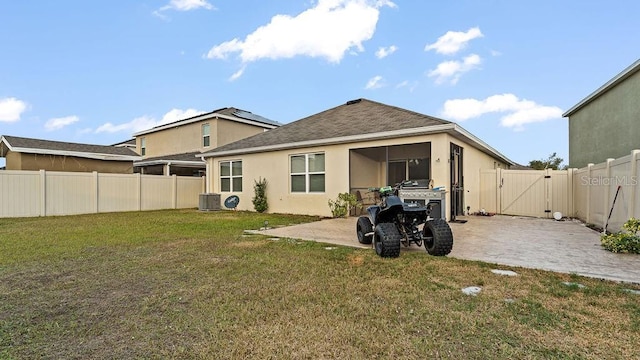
point(560, 246)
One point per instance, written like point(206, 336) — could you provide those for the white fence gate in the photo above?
point(588, 193)
point(537, 193)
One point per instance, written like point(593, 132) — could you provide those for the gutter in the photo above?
point(626, 73)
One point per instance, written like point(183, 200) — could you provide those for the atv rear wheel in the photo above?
point(364, 227)
point(438, 239)
point(386, 240)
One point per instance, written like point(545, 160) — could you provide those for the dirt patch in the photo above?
point(250, 244)
point(355, 260)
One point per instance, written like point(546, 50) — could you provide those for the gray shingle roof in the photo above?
point(190, 156)
point(228, 111)
point(356, 117)
point(28, 143)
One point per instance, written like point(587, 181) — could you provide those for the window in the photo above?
point(231, 176)
point(206, 138)
point(307, 173)
point(143, 146)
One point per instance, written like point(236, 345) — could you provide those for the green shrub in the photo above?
point(343, 204)
point(623, 242)
point(260, 199)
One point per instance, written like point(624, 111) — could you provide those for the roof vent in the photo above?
point(351, 102)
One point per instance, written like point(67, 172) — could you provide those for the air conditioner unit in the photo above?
point(209, 202)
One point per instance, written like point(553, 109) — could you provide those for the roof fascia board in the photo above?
point(109, 157)
point(630, 70)
point(203, 117)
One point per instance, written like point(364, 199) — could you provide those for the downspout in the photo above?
point(207, 186)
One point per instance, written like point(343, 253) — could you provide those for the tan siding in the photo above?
point(188, 138)
point(176, 140)
point(37, 162)
point(229, 131)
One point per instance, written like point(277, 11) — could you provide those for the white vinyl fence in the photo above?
point(595, 188)
point(49, 193)
point(588, 193)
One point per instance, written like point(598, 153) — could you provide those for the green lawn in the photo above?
point(189, 285)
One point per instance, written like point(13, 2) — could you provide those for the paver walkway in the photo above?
point(560, 246)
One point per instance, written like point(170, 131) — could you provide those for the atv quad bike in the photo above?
point(394, 222)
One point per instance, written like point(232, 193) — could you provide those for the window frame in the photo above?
point(143, 146)
point(206, 138)
point(231, 177)
point(307, 173)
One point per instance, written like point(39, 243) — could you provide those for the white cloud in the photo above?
point(147, 122)
point(183, 5)
point(237, 74)
point(454, 41)
point(59, 123)
point(374, 83)
point(452, 70)
point(11, 109)
point(410, 85)
point(518, 111)
point(384, 52)
point(328, 30)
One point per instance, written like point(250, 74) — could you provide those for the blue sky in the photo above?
point(98, 71)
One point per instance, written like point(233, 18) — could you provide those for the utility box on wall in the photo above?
point(209, 202)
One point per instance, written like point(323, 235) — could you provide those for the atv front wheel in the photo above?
point(364, 227)
point(386, 240)
point(438, 239)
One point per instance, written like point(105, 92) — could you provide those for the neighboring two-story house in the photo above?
point(175, 148)
point(605, 124)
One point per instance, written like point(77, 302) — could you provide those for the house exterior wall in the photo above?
point(474, 161)
point(188, 138)
point(274, 167)
point(607, 127)
point(24, 161)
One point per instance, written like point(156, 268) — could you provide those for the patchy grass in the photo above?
point(187, 284)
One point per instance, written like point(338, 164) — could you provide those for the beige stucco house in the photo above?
point(174, 148)
point(36, 154)
point(352, 147)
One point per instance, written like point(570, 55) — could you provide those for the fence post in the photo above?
point(589, 187)
point(96, 190)
point(607, 192)
point(570, 194)
point(43, 193)
point(633, 181)
point(174, 191)
point(139, 190)
point(498, 191)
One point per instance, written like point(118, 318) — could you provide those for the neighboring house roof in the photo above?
point(228, 113)
point(126, 143)
point(357, 120)
point(189, 159)
point(48, 147)
point(632, 69)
